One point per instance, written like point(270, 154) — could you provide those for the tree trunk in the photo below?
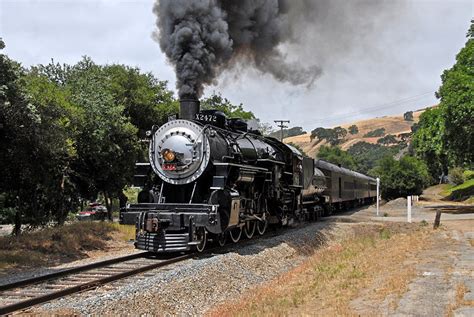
point(17, 225)
point(108, 206)
point(62, 213)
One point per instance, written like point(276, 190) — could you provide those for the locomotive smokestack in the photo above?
point(188, 107)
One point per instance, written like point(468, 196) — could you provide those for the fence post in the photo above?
point(437, 219)
point(378, 195)
point(409, 209)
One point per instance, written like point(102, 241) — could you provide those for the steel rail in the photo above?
point(87, 286)
point(42, 278)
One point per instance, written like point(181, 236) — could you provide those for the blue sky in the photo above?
point(399, 71)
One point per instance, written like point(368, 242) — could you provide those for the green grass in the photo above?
point(460, 192)
point(468, 175)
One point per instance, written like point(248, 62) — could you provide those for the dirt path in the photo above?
point(443, 283)
point(402, 273)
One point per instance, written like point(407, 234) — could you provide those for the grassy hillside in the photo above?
point(394, 125)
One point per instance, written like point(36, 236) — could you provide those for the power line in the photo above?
point(371, 109)
point(281, 124)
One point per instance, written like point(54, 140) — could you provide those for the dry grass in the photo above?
point(392, 125)
point(369, 267)
point(127, 232)
point(58, 244)
point(461, 291)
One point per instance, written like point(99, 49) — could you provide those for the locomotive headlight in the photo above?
point(168, 155)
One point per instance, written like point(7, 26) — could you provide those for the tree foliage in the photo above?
point(429, 141)
point(375, 133)
point(367, 155)
point(408, 116)
point(216, 101)
point(337, 156)
point(457, 103)
point(387, 140)
point(333, 136)
point(353, 129)
point(36, 147)
point(294, 131)
point(444, 136)
point(402, 178)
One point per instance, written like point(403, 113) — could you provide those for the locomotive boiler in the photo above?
point(210, 177)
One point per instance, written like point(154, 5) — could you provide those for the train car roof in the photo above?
point(332, 167)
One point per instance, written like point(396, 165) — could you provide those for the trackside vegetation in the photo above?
point(444, 136)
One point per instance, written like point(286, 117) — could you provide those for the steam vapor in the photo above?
point(201, 38)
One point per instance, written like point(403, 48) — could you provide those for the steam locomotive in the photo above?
point(210, 178)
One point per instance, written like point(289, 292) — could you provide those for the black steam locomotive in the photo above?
point(212, 178)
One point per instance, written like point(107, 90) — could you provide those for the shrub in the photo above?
point(401, 178)
point(456, 176)
point(375, 133)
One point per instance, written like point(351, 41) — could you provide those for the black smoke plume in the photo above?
point(201, 38)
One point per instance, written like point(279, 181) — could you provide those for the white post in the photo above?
point(409, 209)
point(378, 195)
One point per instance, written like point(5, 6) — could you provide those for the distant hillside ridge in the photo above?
point(395, 126)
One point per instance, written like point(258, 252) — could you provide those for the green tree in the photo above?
point(457, 101)
point(429, 141)
point(401, 178)
point(145, 99)
point(294, 131)
point(36, 147)
point(320, 133)
point(336, 156)
point(375, 133)
point(387, 140)
point(216, 101)
point(408, 116)
point(367, 155)
point(353, 129)
point(57, 139)
point(107, 146)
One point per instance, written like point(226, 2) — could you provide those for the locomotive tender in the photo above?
point(210, 177)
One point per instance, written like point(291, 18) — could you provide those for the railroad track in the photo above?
point(41, 289)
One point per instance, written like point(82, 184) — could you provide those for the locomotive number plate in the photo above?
point(169, 167)
point(206, 117)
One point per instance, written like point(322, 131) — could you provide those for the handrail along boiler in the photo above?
point(209, 176)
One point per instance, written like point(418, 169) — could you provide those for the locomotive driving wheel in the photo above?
point(249, 229)
point(201, 236)
point(235, 234)
point(262, 226)
point(222, 239)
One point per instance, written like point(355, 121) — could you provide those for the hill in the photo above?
point(393, 125)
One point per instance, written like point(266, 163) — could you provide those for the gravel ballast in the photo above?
point(195, 286)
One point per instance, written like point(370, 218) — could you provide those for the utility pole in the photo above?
point(281, 124)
